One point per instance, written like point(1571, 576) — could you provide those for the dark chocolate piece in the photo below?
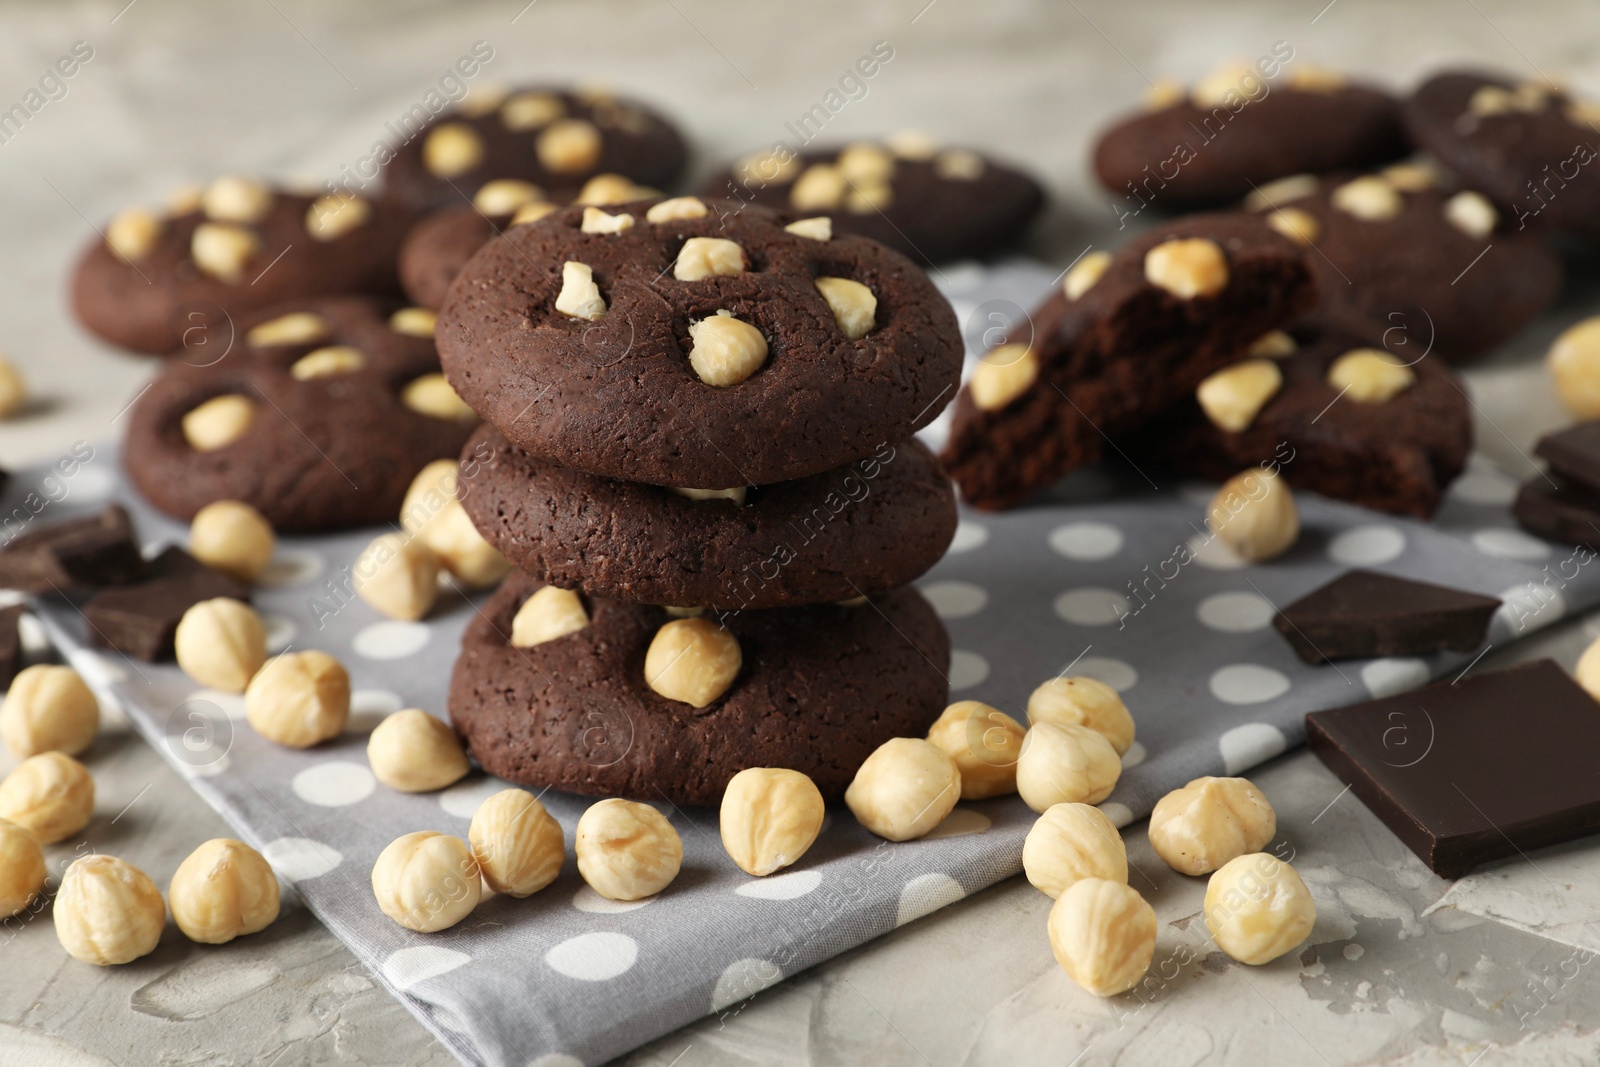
point(1574, 453)
point(140, 620)
point(1364, 614)
point(10, 644)
point(1553, 508)
point(74, 554)
point(1469, 771)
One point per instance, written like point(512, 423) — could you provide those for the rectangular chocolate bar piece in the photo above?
point(1564, 512)
point(1574, 454)
point(1474, 770)
point(140, 619)
point(1364, 614)
point(73, 554)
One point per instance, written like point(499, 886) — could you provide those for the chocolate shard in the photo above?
point(74, 554)
point(1464, 772)
point(1551, 507)
point(140, 619)
point(1574, 454)
point(1363, 614)
point(10, 644)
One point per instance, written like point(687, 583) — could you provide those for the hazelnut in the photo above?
point(1187, 267)
point(427, 881)
point(331, 217)
point(904, 789)
point(1208, 822)
point(627, 850)
point(611, 189)
point(569, 146)
point(1410, 177)
point(529, 111)
point(1065, 764)
point(865, 162)
point(108, 911)
point(531, 212)
point(222, 250)
point(432, 513)
point(1587, 671)
point(580, 296)
point(451, 149)
point(679, 207)
point(817, 229)
point(218, 422)
point(51, 795)
point(1071, 842)
point(725, 351)
point(236, 200)
point(546, 615)
point(1257, 908)
point(819, 188)
point(327, 363)
point(414, 322)
point(1471, 213)
point(912, 144)
point(868, 196)
point(133, 233)
point(1574, 363)
point(398, 575)
point(737, 494)
point(184, 200)
point(1103, 934)
point(1298, 225)
point(1082, 275)
point(221, 644)
point(1254, 514)
point(1274, 344)
point(22, 870)
point(48, 709)
point(505, 196)
point(958, 164)
point(1162, 94)
point(299, 699)
point(1228, 83)
point(985, 743)
point(233, 537)
point(1491, 100)
point(295, 328)
point(1081, 701)
point(1316, 79)
point(431, 395)
point(692, 660)
point(854, 306)
point(770, 817)
point(1281, 191)
point(597, 221)
point(1002, 375)
point(704, 257)
point(764, 168)
point(1369, 198)
point(223, 890)
point(416, 753)
point(13, 391)
point(518, 845)
point(1370, 376)
point(1234, 396)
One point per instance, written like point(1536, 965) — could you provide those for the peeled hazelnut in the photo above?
point(770, 817)
point(1316, 79)
point(1002, 375)
point(985, 743)
point(1281, 191)
point(546, 615)
point(223, 890)
point(299, 699)
point(1587, 671)
point(611, 189)
point(865, 162)
point(452, 149)
point(13, 391)
point(1065, 764)
point(868, 196)
point(958, 164)
point(1369, 198)
point(184, 200)
point(912, 144)
point(597, 221)
point(233, 537)
point(416, 753)
point(51, 795)
point(1296, 224)
point(426, 881)
point(904, 789)
point(108, 911)
point(854, 306)
point(705, 257)
point(1208, 822)
point(532, 212)
point(414, 322)
point(1254, 514)
point(1082, 275)
point(1491, 100)
point(529, 111)
point(737, 494)
point(679, 207)
point(1187, 267)
point(331, 217)
point(1081, 701)
point(1258, 908)
point(1071, 842)
point(1410, 177)
point(221, 644)
point(433, 514)
point(431, 395)
point(627, 850)
point(1370, 376)
point(1162, 94)
point(48, 709)
point(569, 146)
point(1232, 82)
point(764, 168)
point(1234, 396)
point(398, 575)
point(504, 196)
point(692, 660)
point(218, 422)
point(133, 233)
point(295, 328)
point(1574, 363)
point(819, 188)
point(1471, 213)
point(580, 296)
point(517, 844)
point(236, 200)
point(817, 229)
point(1274, 344)
point(725, 351)
point(22, 871)
point(223, 250)
point(1103, 934)
point(327, 363)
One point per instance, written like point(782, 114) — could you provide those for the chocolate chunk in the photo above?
point(1363, 614)
point(140, 620)
point(74, 554)
point(10, 644)
point(1557, 510)
point(1470, 771)
point(1574, 453)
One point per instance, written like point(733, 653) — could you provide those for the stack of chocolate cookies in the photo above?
point(697, 453)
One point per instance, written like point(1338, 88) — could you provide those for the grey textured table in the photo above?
point(1400, 969)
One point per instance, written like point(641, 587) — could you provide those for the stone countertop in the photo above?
point(1402, 968)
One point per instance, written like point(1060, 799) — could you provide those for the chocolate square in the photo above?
point(73, 554)
point(1365, 614)
point(141, 619)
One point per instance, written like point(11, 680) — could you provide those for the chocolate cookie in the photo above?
point(820, 688)
point(319, 416)
point(174, 283)
point(1530, 147)
point(1236, 130)
point(699, 344)
point(1405, 263)
point(865, 528)
point(553, 138)
point(1365, 428)
point(930, 203)
point(1127, 336)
